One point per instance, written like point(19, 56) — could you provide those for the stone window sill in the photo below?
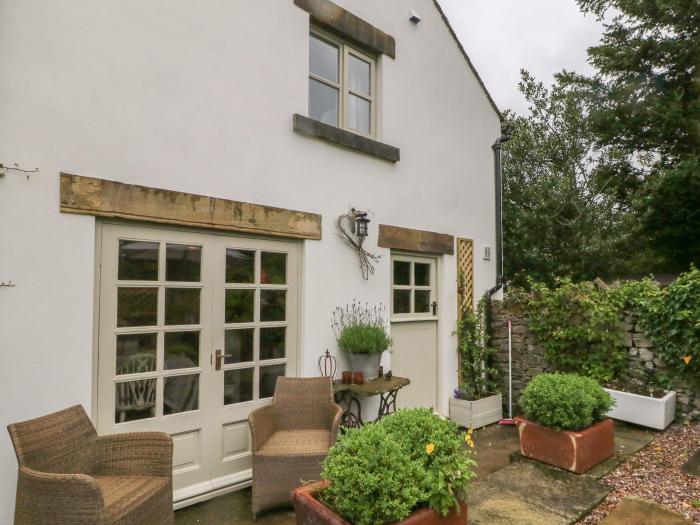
point(346, 139)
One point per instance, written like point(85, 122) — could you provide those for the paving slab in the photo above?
point(506, 508)
point(692, 466)
point(638, 511)
point(231, 508)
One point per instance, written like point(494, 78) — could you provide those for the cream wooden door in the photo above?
point(414, 320)
point(169, 300)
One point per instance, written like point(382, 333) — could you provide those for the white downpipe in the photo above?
point(510, 371)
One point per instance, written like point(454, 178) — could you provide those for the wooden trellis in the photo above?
point(465, 268)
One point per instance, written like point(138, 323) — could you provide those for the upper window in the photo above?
point(341, 85)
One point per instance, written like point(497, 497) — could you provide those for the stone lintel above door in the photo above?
point(419, 241)
point(104, 198)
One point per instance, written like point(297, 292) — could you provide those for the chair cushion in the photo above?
point(126, 495)
point(297, 443)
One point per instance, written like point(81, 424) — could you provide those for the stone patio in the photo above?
point(509, 489)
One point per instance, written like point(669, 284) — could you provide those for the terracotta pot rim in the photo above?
point(535, 423)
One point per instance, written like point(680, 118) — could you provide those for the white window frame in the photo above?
point(344, 92)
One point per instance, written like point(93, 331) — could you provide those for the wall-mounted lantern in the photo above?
point(353, 228)
point(361, 224)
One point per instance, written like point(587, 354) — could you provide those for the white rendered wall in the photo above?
point(199, 97)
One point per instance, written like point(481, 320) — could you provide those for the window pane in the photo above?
point(182, 306)
point(402, 272)
point(180, 394)
point(272, 341)
point(323, 103)
point(421, 274)
point(273, 268)
point(137, 306)
point(183, 263)
point(268, 379)
point(272, 305)
point(181, 350)
point(134, 400)
point(359, 75)
point(323, 59)
point(239, 346)
point(240, 266)
point(238, 386)
point(402, 301)
point(239, 306)
point(358, 114)
point(421, 301)
point(138, 261)
point(136, 353)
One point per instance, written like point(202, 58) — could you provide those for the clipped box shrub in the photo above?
point(565, 401)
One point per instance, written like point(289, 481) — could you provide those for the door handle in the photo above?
point(434, 307)
point(219, 357)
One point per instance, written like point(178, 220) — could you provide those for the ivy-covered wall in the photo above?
point(529, 356)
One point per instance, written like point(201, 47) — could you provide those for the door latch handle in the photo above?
point(219, 357)
point(433, 305)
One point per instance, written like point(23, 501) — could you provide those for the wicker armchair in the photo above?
point(69, 475)
point(291, 437)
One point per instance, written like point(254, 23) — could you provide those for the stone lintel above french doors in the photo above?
point(104, 198)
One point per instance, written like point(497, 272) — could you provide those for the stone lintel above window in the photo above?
point(347, 139)
point(420, 241)
point(349, 26)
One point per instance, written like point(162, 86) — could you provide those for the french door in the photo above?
point(194, 330)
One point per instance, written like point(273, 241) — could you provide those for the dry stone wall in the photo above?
point(529, 357)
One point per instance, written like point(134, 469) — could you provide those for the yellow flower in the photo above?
point(687, 359)
point(429, 448)
point(470, 431)
point(470, 443)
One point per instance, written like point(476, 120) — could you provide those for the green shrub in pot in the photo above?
point(382, 472)
point(565, 401)
point(361, 329)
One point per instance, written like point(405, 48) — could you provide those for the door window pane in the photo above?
point(273, 268)
point(182, 306)
point(358, 75)
point(181, 350)
point(183, 263)
point(138, 261)
point(421, 301)
point(402, 301)
point(272, 342)
point(239, 306)
point(358, 114)
point(135, 400)
point(421, 274)
point(136, 353)
point(272, 305)
point(239, 346)
point(238, 386)
point(402, 272)
point(323, 102)
point(137, 307)
point(268, 379)
point(180, 394)
point(240, 266)
point(323, 59)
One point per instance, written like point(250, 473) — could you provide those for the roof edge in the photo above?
point(466, 57)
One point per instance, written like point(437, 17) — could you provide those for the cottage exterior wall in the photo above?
point(199, 97)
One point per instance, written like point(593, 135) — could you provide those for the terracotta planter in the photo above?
point(576, 451)
point(310, 511)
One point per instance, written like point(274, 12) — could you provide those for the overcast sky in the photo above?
point(502, 36)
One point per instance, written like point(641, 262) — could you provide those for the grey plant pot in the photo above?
point(368, 364)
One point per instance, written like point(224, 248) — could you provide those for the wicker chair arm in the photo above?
point(59, 499)
point(263, 423)
point(135, 453)
point(335, 417)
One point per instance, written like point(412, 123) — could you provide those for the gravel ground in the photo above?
point(654, 473)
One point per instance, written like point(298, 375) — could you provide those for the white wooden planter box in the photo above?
point(475, 414)
point(641, 410)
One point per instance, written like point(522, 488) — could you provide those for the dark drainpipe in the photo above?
point(498, 179)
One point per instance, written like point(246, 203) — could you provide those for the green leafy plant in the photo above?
point(382, 472)
point(361, 329)
point(671, 318)
point(438, 446)
point(565, 401)
point(477, 376)
point(579, 327)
